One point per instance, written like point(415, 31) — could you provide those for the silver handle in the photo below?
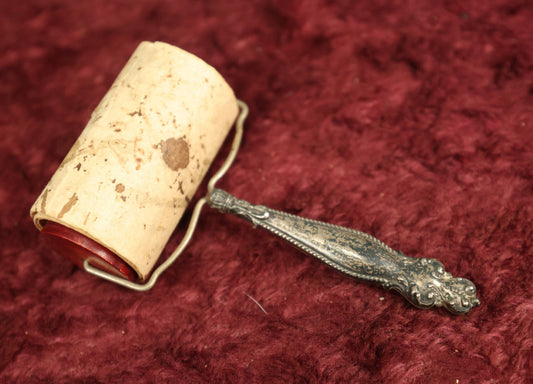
point(423, 282)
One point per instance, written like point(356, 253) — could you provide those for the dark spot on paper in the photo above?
point(118, 130)
point(175, 153)
point(180, 187)
point(86, 218)
point(136, 112)
point(72, 201)
point(78, 167)
point(187, 199)
point(113, 181)
point(120, 188)
point(123, 198)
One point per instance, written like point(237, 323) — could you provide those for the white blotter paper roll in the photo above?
point(127, 180)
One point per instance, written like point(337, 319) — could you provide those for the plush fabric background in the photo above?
point(409, 120)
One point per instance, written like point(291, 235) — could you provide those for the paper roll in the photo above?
point(128, 178)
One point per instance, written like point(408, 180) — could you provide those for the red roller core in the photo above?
point(77, 247)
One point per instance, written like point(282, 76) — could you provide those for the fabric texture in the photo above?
point(409, 120)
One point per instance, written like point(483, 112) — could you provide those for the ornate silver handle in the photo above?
point(423, 282)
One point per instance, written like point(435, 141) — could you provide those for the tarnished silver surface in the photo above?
point(423, 282)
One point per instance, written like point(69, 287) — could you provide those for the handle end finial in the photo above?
point(425, 284)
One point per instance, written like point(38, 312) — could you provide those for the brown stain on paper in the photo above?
point(72, 201)
point(175, 153)
point(72, 153)
point(120, 188)
point(43, 201)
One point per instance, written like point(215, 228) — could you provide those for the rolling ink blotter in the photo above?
point(120, 192)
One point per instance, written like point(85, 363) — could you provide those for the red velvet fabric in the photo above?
point(409, 120)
